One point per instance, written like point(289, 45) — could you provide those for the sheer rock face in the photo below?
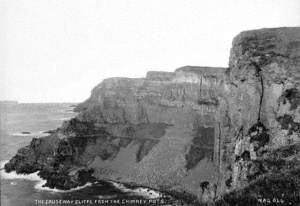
point(176, 130)
point(264, 110)
point(186, 101)
point(161, 97)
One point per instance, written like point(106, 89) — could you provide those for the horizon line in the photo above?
point(41, 102)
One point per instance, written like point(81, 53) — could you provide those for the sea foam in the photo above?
point(31, 134)
point(13, 175)
point(139, 191)
point(39, 186)
point(36, 178)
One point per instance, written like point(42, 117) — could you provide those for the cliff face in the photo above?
point(262, 136)
point(157, 131)
point(199, 129)
point(172, 114)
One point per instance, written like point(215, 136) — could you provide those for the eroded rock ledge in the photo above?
point(211, 132)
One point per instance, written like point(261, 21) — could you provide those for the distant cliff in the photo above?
point(207, 131)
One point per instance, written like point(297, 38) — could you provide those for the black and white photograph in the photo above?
point(150, 102)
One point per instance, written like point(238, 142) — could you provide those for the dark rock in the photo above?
point(293, 96)
point(282, 187)
point(258, 133)
point(228, 182)
point(50, 131)
point(287, 122)
point(245, 156)
point(204, 185)
point(62, 180)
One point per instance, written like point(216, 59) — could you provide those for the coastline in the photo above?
point(40, 182)
point(130, 189)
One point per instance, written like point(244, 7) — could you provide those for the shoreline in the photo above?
point(134, 189)
point(124, 187)
point(181, 198)
point(34, 177)
point(129, 189)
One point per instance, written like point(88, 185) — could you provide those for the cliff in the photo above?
point(261, 144)
point(207, 131)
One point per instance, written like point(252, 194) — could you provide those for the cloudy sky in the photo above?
point(58, 50)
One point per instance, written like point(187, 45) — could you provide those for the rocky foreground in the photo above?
point(226, 136)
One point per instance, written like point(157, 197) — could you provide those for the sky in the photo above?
point(58, 50)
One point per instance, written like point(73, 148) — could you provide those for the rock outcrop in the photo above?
point(205, 131)
point(263, 117)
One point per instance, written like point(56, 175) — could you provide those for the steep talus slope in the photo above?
point(202, 130)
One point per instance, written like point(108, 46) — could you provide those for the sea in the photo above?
point(19, 123)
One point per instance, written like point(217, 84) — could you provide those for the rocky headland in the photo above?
point(228, 136)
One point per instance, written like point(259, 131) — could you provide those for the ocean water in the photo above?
point(19, 123)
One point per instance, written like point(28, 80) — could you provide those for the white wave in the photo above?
point(21, 134)
point(140, 191)
point(2, 163)
point(149, 193)
point(36, 178)
point(39, 186)
point(120, 186)
point(13, 183)
point(13, 176)
point(64, 118)
point(38, 134)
